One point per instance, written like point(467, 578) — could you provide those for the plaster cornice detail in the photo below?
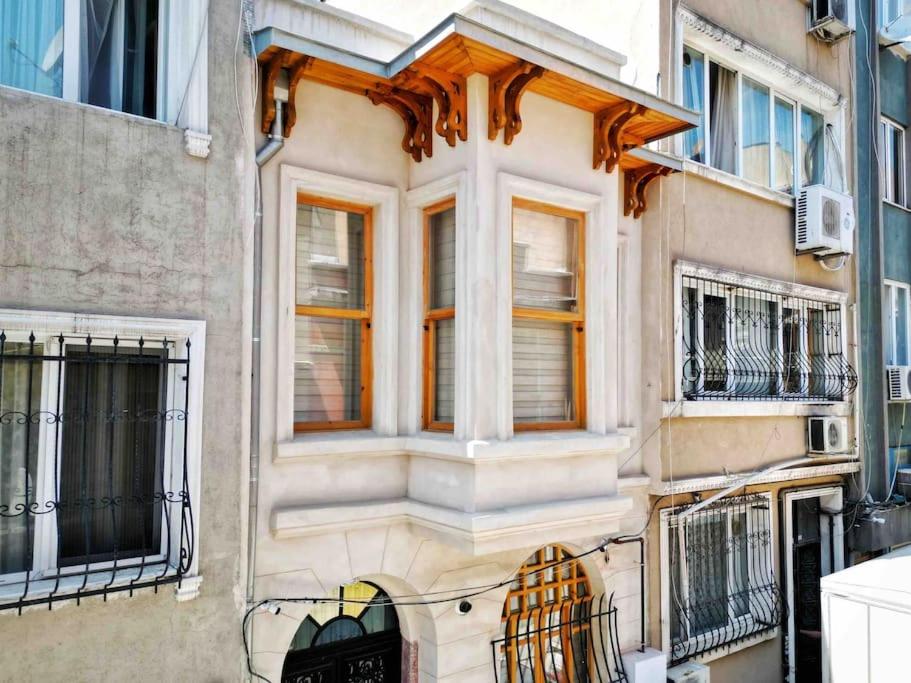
point(697, 484)
point(748, 50)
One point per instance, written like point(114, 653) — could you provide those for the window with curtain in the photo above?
point(896, 302)
point(749, 129)
point(548, 316)
point(31, 45)
point(892, 160)
point(118, 50)
point(439, 316)
point(332, 321)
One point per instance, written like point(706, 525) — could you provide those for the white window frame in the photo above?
point(890, 298)
point(182, 63)
point(735, 623)
point(899, 196)
point(884, 18)
point(816, 297)
point(47, 327)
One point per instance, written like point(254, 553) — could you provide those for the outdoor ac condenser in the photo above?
point(824, 221)
point(826, 435)
point(898, 380)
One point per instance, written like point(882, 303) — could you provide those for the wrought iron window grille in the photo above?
point(94, 480)
point(577, 640)
point(722, 588)
point(743, 343)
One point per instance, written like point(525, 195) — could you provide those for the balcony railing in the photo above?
point(573, 640)
point(722, 588)
point(94, 493)
point(743, 343)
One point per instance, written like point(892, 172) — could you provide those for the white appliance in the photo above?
point(898, 380)
point(831, 20)
point(827, 435)
point(824, 221)
point(689, 672)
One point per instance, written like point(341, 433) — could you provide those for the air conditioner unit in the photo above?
point(898, 378)
point(824, 221)
point(826, 435)
point(831, 20)
point(688, 672)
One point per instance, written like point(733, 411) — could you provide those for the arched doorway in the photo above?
point(347, 642)
point(547, 633)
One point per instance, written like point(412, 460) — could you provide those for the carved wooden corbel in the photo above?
point(504, 94)
point(448, 91)
point(271, 71)
point(610, 138)
point(416, 112)
point(635, 182)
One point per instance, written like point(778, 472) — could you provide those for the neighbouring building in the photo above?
point(125, 212)
point(449, 389)
point(748, 340)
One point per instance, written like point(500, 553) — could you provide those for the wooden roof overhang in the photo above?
point(435, 69)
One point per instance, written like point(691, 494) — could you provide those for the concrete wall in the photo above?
point(106, 213)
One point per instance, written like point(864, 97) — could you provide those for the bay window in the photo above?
point(749, 129)
point(548, 316)
point(333, 285)
point(439, 316)
point(96, 460)
point(892, 160)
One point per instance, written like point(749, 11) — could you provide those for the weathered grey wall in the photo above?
point(105, 213)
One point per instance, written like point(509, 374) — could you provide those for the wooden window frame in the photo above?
point(576, 319)
point(432, 316)
point(365, 315)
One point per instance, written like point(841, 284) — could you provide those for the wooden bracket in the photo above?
point(448, 91)
point(504, 94)
point(635, 182)
point(610, 139)
point(296, 66)
point(416, 112)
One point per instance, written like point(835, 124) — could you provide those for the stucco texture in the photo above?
point(106, 213)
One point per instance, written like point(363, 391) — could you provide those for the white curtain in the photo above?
point(724, 119)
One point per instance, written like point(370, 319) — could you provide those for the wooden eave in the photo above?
point(624, 117)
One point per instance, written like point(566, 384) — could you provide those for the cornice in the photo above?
point(748, 50)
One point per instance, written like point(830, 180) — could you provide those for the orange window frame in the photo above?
point(571, 594)
point(432, 317)
point(574, 318)
point(365, 315)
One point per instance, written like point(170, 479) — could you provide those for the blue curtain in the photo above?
point(31, 45)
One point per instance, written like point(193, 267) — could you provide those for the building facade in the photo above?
point(126, 208)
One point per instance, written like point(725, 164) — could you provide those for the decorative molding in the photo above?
point(679, 486)
point(610, 137)
point(505, 91)
point(296, 71)
point(635, 182)
point(416, 112)
point(754, 53)
point(196, 144)
point(737, 279)
point(271, 70)
point(187, 588)
point(449, 91)
point(739, 184)
point(701, 409)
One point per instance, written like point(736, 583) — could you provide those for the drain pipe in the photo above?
point(275, 142)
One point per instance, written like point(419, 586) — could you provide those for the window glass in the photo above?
point(442, 259)
point(890, 10)
point(31, 45)
point(105, 459)
point(693, 95)
point(892, 159)
point(327, 370)
point(756, 132)
point(783, 157)
point(812, 145)
point(542, 369)
point(723, 117)
point(330, 257)
point(20, 380)
point(545, 260)
point(439, 323)
point(901, 326)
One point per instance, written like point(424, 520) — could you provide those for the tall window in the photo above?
point(118, 51)
point(747, 128)
point(333, 315)
point(896, 302)
point(720, 585)
point(548, 314)
point(93, 469)
point(439, 316)
point(892, 160)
